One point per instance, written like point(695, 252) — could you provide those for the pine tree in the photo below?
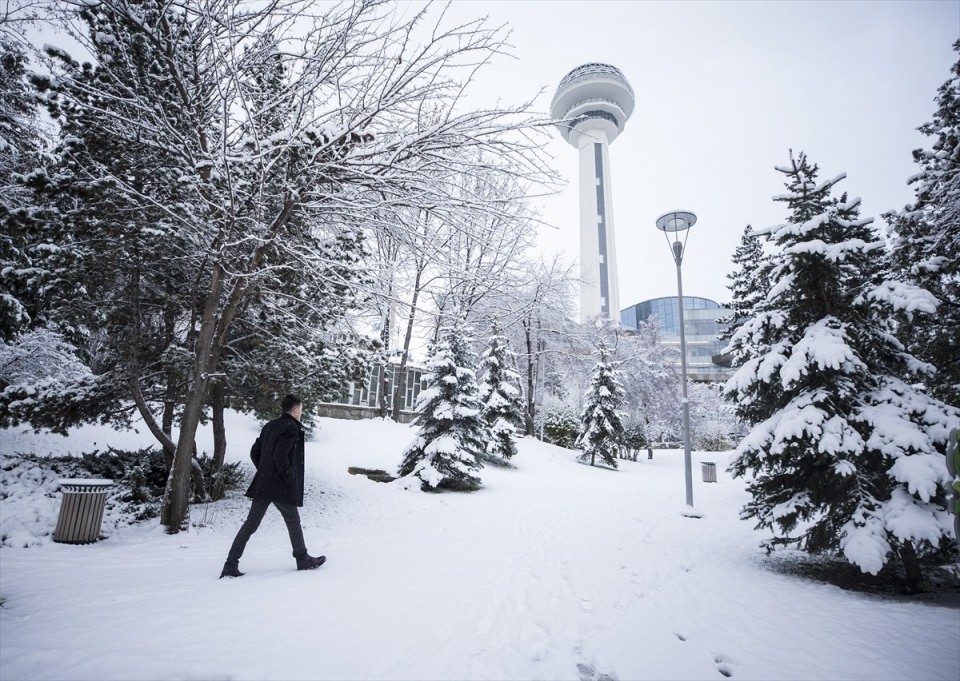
point(451, 441)
point(602, 430)
point(748, 283)
point(503, 409)
point(120, 206)
point(845, 454)
point(926, 243)
point(20, 273)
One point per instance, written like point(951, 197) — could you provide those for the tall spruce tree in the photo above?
point(113, 270)
point(502, 405)
point(21, 273)
point(749, 282)
point(451, 441)
point(845, 454)
point(926, 242)
point(602, 429)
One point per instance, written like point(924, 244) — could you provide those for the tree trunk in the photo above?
point(219, 441)
point(382, 389)
point(170, 390)
point(531, 407)
point(133, 370)
point(400, 388)
point(911, 567)
point(213, 335)
point(176, 498)
point(200, 492)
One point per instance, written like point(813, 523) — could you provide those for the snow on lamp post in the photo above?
point(674, 223)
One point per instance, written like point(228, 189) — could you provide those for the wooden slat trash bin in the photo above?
point(81, 510)
point(709, 471)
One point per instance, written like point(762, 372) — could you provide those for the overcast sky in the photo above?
point(724, 91)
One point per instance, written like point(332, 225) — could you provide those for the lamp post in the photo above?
point(673, 223)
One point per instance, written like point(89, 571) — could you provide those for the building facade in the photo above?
point(703, 330)
point(367, 392)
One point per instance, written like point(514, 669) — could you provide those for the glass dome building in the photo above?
point(700, 316)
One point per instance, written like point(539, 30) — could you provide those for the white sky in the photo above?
point(724, 90)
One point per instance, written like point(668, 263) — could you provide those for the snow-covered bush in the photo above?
point(561, 427)
point(30, 496)
point(634, 439)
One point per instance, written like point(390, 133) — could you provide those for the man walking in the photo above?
point(278, 457)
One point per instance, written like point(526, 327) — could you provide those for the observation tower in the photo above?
point(591, 105)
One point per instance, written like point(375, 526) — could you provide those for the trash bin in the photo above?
point(81, 510)
point(709, 471)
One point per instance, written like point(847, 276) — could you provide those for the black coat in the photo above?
point(278, 456)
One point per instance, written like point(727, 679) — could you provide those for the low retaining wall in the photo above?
point(352, 412)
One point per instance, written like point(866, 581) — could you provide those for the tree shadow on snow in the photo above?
point(941, 584)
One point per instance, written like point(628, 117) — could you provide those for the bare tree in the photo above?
point(533, 308)
point(352, 93)
point(440, 265)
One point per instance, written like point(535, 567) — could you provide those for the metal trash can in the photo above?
point(709, 471)
point(81, 510)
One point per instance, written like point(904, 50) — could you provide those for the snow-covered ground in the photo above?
point(554, 570)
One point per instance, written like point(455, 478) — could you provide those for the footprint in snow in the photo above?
point(723, 665)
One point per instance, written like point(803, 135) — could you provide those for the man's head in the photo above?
point(293, 405)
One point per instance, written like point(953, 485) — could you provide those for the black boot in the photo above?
point(308, 562)
point(231, 570)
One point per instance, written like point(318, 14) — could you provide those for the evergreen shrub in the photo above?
point(561, 428)
point(713, 442)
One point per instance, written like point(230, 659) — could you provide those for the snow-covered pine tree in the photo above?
point(451, 441)
point(113, 274)
point(749, 282)
point(503, 409)
point(846, 454)
point(21, 274)
point(602, 430)
point(926, 243)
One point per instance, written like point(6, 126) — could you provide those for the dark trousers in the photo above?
point(259, 506)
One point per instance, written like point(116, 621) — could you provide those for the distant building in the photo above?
point(704, 359)
point(367, 392)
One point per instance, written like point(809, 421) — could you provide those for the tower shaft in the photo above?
point(591, 106)
point(599, 294)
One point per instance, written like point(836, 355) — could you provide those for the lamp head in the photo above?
point(676, 221)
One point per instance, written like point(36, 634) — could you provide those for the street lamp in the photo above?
point(673, 223)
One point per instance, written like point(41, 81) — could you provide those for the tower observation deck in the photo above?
point(591, 106)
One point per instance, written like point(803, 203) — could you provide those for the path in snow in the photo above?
point(552, 571)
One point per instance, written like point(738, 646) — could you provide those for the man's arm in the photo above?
point(283, 454)
point(255, 453)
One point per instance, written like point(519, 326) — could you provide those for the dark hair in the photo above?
point(289, 402)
